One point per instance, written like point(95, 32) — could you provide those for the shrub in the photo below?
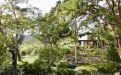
point(49, 55)
point(112, 54)
point(23, 53)
point(34, 68)
point(40, 65)
point(86, 70)
point(62, 65)
point(2, 50)
point(27, 68)
point(107, 67)
point(62, 69)
point(4, 64)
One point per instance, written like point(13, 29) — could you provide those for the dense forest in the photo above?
point(35, 44)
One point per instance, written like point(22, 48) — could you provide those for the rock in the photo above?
point(117, 73)
point(2, 71)
point(76, 73)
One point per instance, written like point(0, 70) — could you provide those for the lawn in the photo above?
point(28, 59)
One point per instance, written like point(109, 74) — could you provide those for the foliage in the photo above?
point(66, 19)
point(13, 24)
point(62, 69)
point(23, 53)
point(91, 52)
point(27, 68)
point(49, 55)
point(87, 70)
point(112, 54)
point(50, 29)
point(4, 64)
point(37, 67)
point(71, 11)
point(62, 64)
point(107, 67)
point(34, 68)
point(108, 37)
point(30, 47)
point(40, 66)
point(2, 49)
point(26, 49)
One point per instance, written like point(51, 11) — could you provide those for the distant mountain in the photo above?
point(29, 38)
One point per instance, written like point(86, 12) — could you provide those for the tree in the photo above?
point(70, 11)
point(13, 23)
point(107, 17)
point(2, 49)
point(50, 28)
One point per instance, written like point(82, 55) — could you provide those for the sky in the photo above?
point(44, 5)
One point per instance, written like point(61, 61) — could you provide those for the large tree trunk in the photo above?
point(57, 46)
point(19, 55)
point(75, 48)
point(118, 45)
point(14, 62)
point(119, 8)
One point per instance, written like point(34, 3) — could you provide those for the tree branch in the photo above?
point(113, 12)
point(119, 8)
point(110, 8)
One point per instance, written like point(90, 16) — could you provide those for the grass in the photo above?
point(28, 59)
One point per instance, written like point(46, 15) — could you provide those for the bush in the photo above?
point(63, 65)
point(49, 55)
point(62, 69)
point(107, 67)
point(39, 65)
point(34, 68)
point(87, 70)
point(23, 53)
point(112, 54)
point(27, 68)
point(65, 71)
point(2, 50)
point(65, 50)
point(4, 64)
